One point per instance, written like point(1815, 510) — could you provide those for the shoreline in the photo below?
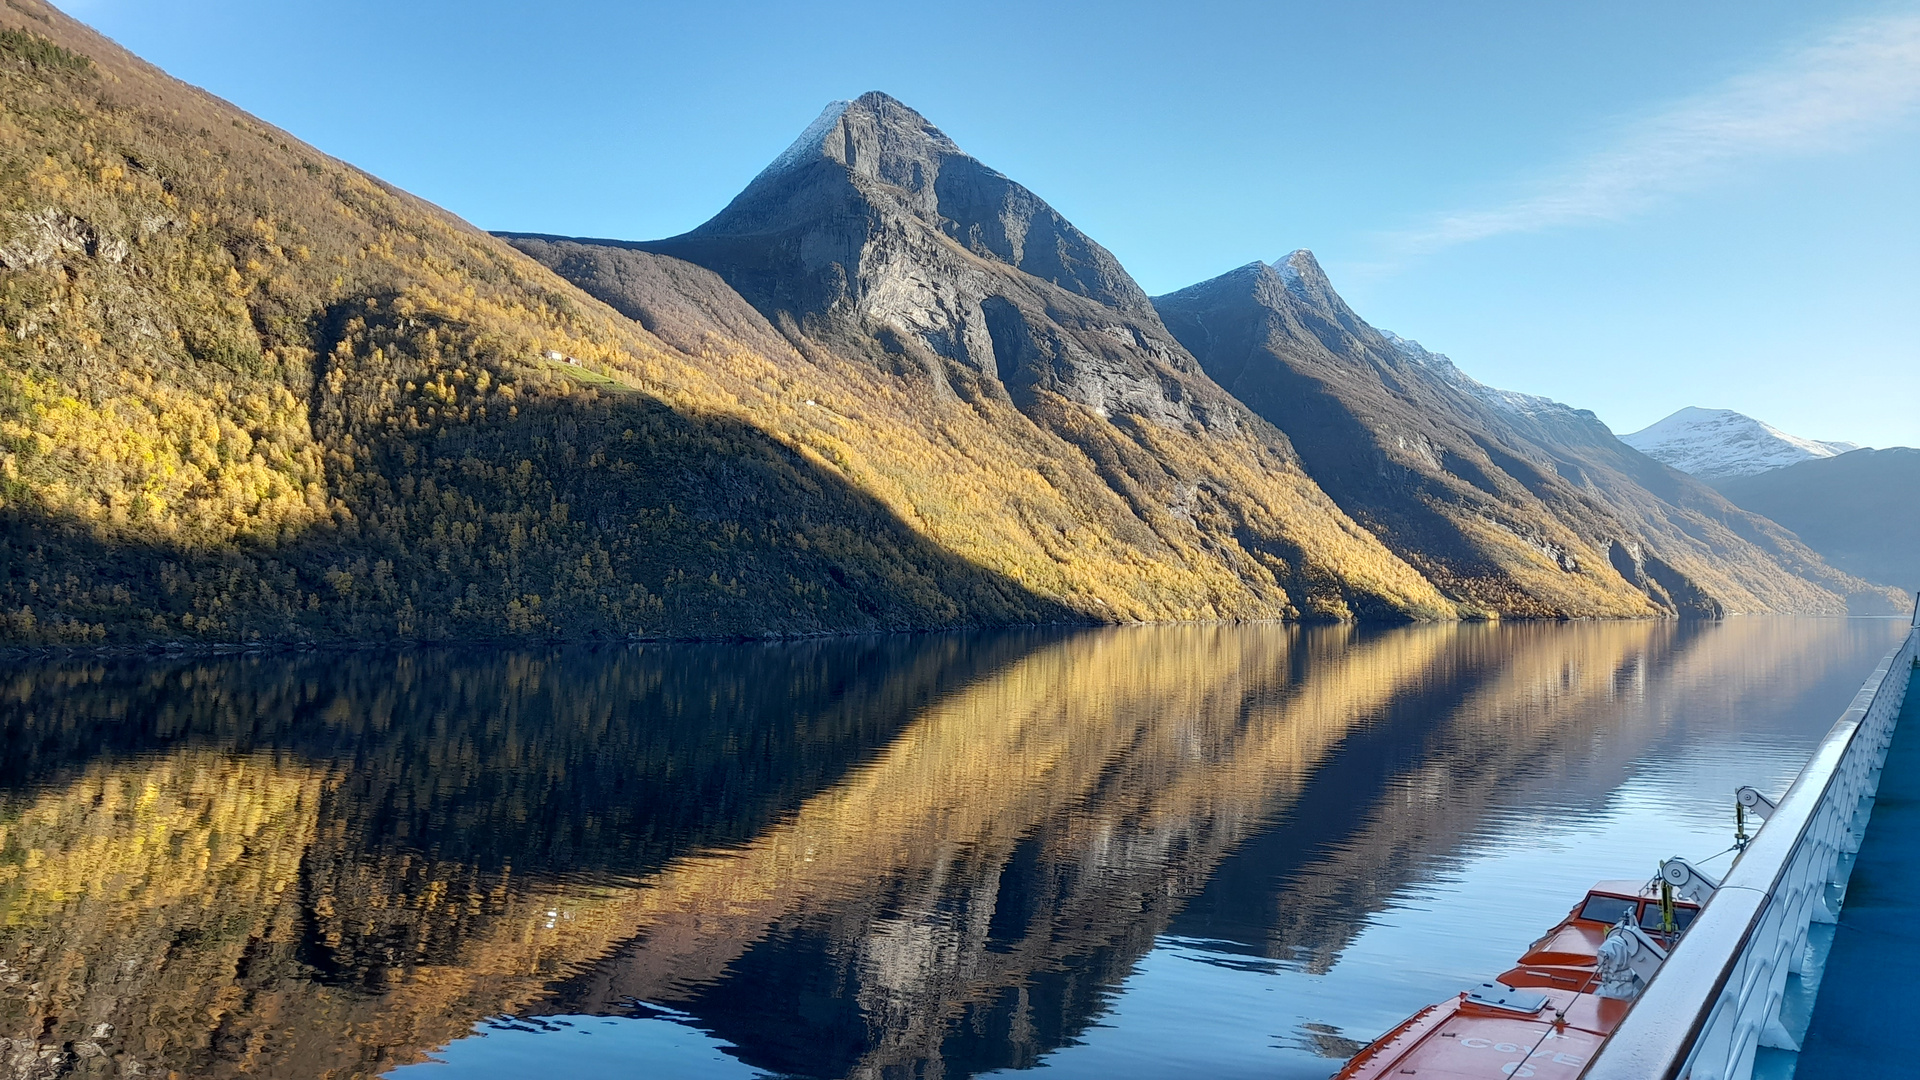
point(181, 650)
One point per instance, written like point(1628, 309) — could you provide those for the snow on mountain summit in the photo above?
point(1716, 443)
point(1511, 401)
point(809, 145)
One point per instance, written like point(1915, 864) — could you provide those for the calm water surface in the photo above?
point(1197, 851)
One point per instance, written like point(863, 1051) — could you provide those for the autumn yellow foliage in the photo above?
point(250, 393)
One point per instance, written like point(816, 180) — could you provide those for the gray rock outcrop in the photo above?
point(873, 228)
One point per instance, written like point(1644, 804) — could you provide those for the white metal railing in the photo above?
point(1717, 998)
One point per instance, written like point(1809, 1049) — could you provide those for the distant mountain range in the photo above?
point(1856, 507)
point(1512, 502)
point(251, 393)
point(1715, 443)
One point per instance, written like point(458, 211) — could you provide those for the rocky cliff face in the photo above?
point(1515, 504)
point(874, 229)
point(875, 250)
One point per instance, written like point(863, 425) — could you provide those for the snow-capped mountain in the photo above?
point(1716, 443)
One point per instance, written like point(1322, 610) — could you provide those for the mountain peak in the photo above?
point(864, 175)
point(1718, 443)
point(1293, 283)
point(1303, 277)
point(873, 135)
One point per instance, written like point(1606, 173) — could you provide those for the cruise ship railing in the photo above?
point(1716, 1000)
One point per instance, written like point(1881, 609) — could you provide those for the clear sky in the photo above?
point(1631, 206)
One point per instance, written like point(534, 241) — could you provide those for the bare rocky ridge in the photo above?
point(1516, 504)
point(876, 233)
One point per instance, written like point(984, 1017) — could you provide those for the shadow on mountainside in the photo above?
point(590, 510)
point(1400, 504)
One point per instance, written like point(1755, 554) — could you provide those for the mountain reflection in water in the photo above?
point(890, 856)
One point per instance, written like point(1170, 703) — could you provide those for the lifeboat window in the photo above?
point(1606, 909)
point(1650, 916)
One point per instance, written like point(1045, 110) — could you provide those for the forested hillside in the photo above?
point(249, 393)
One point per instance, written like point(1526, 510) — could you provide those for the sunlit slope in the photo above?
point(876, 255)
point(250, 392)
point(1385, 440)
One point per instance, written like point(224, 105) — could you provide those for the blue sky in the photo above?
point(1631, 207)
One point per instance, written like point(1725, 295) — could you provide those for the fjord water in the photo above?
point(1206, 851)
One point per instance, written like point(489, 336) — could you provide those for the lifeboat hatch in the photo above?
point(1496, 996)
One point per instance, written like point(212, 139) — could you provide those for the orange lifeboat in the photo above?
point(1491, 1032)
point(1542, 1018)
point(1564, 957)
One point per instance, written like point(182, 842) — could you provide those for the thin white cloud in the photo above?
point(1862, 80)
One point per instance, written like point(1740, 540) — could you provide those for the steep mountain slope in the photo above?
point(1859, 510)
point(896, 266)
point(250, 393)
point(1714, 443)
point(1510, 502)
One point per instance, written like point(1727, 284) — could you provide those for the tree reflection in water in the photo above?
point(930, 855)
